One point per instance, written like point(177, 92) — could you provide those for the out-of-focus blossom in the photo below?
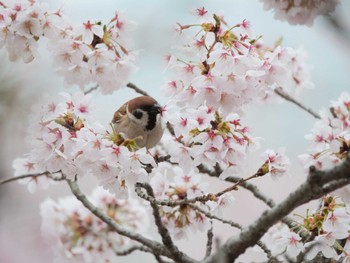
point(90, 53)
point(81, 236)
point(298, 12)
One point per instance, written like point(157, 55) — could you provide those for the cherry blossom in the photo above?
point(88, 31)
point(204, 137)
point(23, 23)
point(276, 163)
point(79, 235)
point(324, 244)
point(94, 53)
point(214, 75)
point(85, 54)
point(171, 183)
point(330, 136)
point(228, 68)
point(65, 138)
point(298, 12)
point(282, 241)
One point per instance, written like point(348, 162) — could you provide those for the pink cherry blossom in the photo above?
point(298, 12)
point(330, 136)
point(66, 139)
point(82, 236)
point(277, 162)
point(88, 30)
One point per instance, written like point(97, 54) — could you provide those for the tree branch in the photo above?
point(177, 255)
point(210, 236)
point(317, 184)
point(156, 247)
point(91, 89)
point(253, 189)
point(233, 224)
point(248, 186)
point(8, 180)
point(202, 198)
point(137, 89)
point(279, 91)
point(132, 249)
point(211, 216)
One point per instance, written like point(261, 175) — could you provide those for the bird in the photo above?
point(140, 119)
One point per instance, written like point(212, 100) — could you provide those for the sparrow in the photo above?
point(140, 119)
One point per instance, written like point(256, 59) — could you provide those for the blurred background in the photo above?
point(21, 86)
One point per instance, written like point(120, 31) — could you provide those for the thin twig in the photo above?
point(23, 177)
point(266, 251)
point(91, 89)
point(279, 91)
point(132, 249)
point(253, 189)
point(202, 198)
point(210, 236)
point(248, 186)
point(170, 128)
point(211, 216)
point(162, 230)
point(137, 89)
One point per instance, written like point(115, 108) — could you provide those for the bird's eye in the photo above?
point(138, 114)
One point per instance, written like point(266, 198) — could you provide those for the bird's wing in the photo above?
point(119, 114)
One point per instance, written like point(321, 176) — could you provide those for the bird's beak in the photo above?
point(157, 108)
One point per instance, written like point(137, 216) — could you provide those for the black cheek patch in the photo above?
point(152, 119)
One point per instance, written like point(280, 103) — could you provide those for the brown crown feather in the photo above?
point(132, 104)
point(140, 102)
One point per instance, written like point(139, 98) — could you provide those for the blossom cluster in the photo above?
point(65, 138)
point(84, 54)
point(204, 137)
point(80, 236)
point(325, 231)
point(23, 23)
point(228, 67)
point(172, 183)
point(276, 163)
point(330, 136)
point(215, 75)
point(330, 139)
point(298, 12)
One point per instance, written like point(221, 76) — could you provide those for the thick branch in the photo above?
point(233, 224)
point(279, 91)
point(318, 184)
